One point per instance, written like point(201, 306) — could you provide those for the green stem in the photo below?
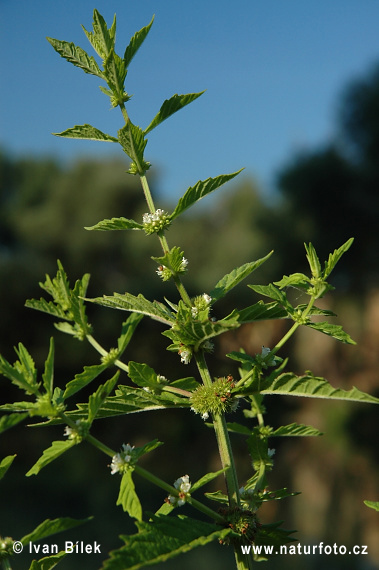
point(294, 328)
point(172, 491)
point(223, 441)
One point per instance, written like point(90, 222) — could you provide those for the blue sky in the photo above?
point(273, 71)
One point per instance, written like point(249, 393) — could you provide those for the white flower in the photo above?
point(72, 433)
point(185, 354)
point(121, 459)
point(183, 265)
point(183, 485)
point(271, 452)
point(194, 312)
point(265, 351)
point(207, 298)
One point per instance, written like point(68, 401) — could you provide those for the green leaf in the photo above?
point(116, 224)
point(189, 384)
point(133, 142)
point(309, 386)
point(46, 307)
point(142, 375)
point(87, 132)
point(89, 373)
point(147, 448)
point(270, 291)
point(336, 331)
point(10, 420)
point(136, 42)
point(48, 562)
point(171, 106)
point(372, 504)
point(115, 72)
point(298, 280)
point(130, 400)
point(50, 527)
point(23, 373)
point(295, 430)
point(206, 479)
point(102, 39)
point(48, 375)
point(201, 189)
point(194, 333)
point(128, 302)
point(5, 464)
point(128, 498)
point(77, 56)
point(335, 257)
point(56, 449)
point(172, 259)
point(163, 538)
point(235, 427)
point(128, 328)
point(96, 400)
point(261, 312)
point(313, 260)
point(234, 277)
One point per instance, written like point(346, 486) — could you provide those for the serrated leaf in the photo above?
point(48, 375)
point(270, 291)
point(133, 142)
point(10, 420)
point(172, 259)
point(235, 427)
point(56, 449)
point(77, 56)
point(23, 373)
point(171, 106)
point(236, 276)
point(96, 400)
point(163, 538)
point(372, 504)
point(188, 384)
point(86, 132)
point(201, 189)
point(206, 479)
point(128, 498)
point(294, 280)
point(313, 260)
point(115, 72)
point(50, 527)
point(296, 430)
point(83, 379)
point(48, 562)
point(142, 375)
point(309, 386)
point(130, 400)
point(271, 534)
point(5, 464)
point(102, 39)
point(139, 304)
point(336, 331)
point(194, 333)
point(116, 224)
point(335, 257)
point(46, 307)
point(261, 312)
point(128, 328)
point(136, 42)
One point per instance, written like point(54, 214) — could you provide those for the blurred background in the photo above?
point(293, 96)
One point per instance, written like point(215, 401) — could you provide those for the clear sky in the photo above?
point(273, 71)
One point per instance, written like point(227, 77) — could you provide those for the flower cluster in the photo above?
point(264, 359)
point(214, 399)
point(121, 460)
point(183, 486)
point(201, 306)
point(77, 433)
point(185, 354)
point(156, 222)
point(165, 273)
